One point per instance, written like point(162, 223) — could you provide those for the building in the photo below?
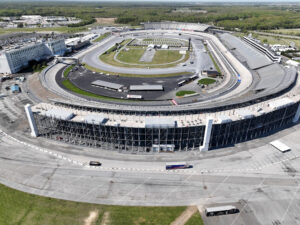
point(14, 59)
point(57, 47)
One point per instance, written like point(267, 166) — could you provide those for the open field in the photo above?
point(133, 55)
point(20, 208)
point(294, 32)
point(271, 39)
point(63, 29)
point(106, 21)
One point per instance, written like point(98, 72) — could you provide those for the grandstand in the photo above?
point(259, 96)
point(176, 26)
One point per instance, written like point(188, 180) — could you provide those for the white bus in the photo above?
point(221, 210)
point(280, 146)
point(134, 96)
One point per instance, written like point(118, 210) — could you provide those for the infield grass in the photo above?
point(131, 58)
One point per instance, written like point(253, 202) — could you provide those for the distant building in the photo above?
point(14, 59)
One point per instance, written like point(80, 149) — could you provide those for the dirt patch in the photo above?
point(185, 216)
point(105, 219)
point(91, 218)
point(102, 20)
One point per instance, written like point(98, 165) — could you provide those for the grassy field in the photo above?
point(136, 75)
point(63, 29)
point(70, 86)
point(183, 93)
point(268, 39)
point(20, 208)
point(294, 32)
point(101, 37)
point(195, 220)
point(166, 56)
point(134, 54)
point(206, 81)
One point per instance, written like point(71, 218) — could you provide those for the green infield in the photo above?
point(206, 81)
point(21, 208)
point(130, 57)
point(183, 93)
point(131, 54)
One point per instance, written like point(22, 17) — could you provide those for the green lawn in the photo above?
point(183, 93)
point(101, 37)
point(133, 55)
point(20, 208)
point(166, 56)
point(206, 81)
point(195, 220)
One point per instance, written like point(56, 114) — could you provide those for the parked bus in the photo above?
point(280, 146)
point(134, 96)
point(178, 165)
point(221, 210)
point(181, 83)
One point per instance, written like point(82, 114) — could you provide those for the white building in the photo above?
point(57, 47)
point(14, 59)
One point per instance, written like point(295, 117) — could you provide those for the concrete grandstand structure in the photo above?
point(258, 96)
